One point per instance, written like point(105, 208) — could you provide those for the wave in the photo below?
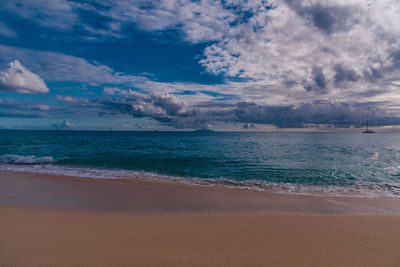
point(28, 160)
point(42, 165)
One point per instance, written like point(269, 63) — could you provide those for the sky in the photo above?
point(252, 65)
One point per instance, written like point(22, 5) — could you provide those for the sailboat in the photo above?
point(368, 130)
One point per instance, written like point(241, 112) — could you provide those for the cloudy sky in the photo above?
point(190, 64)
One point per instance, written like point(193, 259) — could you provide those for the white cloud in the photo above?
point(65, 125)
point(16, 78)
point(310, 45)
point(42, 107)
point(288, 52)
point(117, 91)
point(288, 49)
point(285, 51)
point(66, 99)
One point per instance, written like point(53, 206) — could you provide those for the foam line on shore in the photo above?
point(360, 191)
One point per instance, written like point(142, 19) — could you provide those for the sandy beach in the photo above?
point(66, 221)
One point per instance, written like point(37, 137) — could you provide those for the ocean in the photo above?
point(327, 164)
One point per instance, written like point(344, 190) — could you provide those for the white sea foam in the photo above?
point(17, 159)
point(360, 189)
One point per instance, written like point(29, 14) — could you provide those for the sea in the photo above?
point(321, 164)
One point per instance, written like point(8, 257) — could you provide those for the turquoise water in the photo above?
point(352, 164)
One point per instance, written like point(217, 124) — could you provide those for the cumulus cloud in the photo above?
point(172, 111)
point(16, 78)
point(160, 107)
point(313, 46)
point(293, 49)
point(65, 125)
point(288, 63)
point(309, 46)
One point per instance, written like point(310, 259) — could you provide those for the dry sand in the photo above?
point(32, 237)
point(70, 222)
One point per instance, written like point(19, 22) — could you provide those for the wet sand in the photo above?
point(65, 221)
point(141, 196)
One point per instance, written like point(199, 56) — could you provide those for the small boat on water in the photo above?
point(368, 130)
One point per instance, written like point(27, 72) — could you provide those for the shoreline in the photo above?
point(148, 196)
point(353, 191)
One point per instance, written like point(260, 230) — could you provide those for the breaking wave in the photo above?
point(47, 165)
point(28, 160)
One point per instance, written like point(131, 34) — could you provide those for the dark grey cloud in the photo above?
point(372, 74)
point(327, 18)
point(319, 77)
point(170, 110)
point(395, 55)
point(159, 107)
point(250, 126)
point(318, 112)
point(344, 74)
point(320, 82)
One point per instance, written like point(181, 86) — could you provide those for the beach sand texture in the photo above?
point(100, 234)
